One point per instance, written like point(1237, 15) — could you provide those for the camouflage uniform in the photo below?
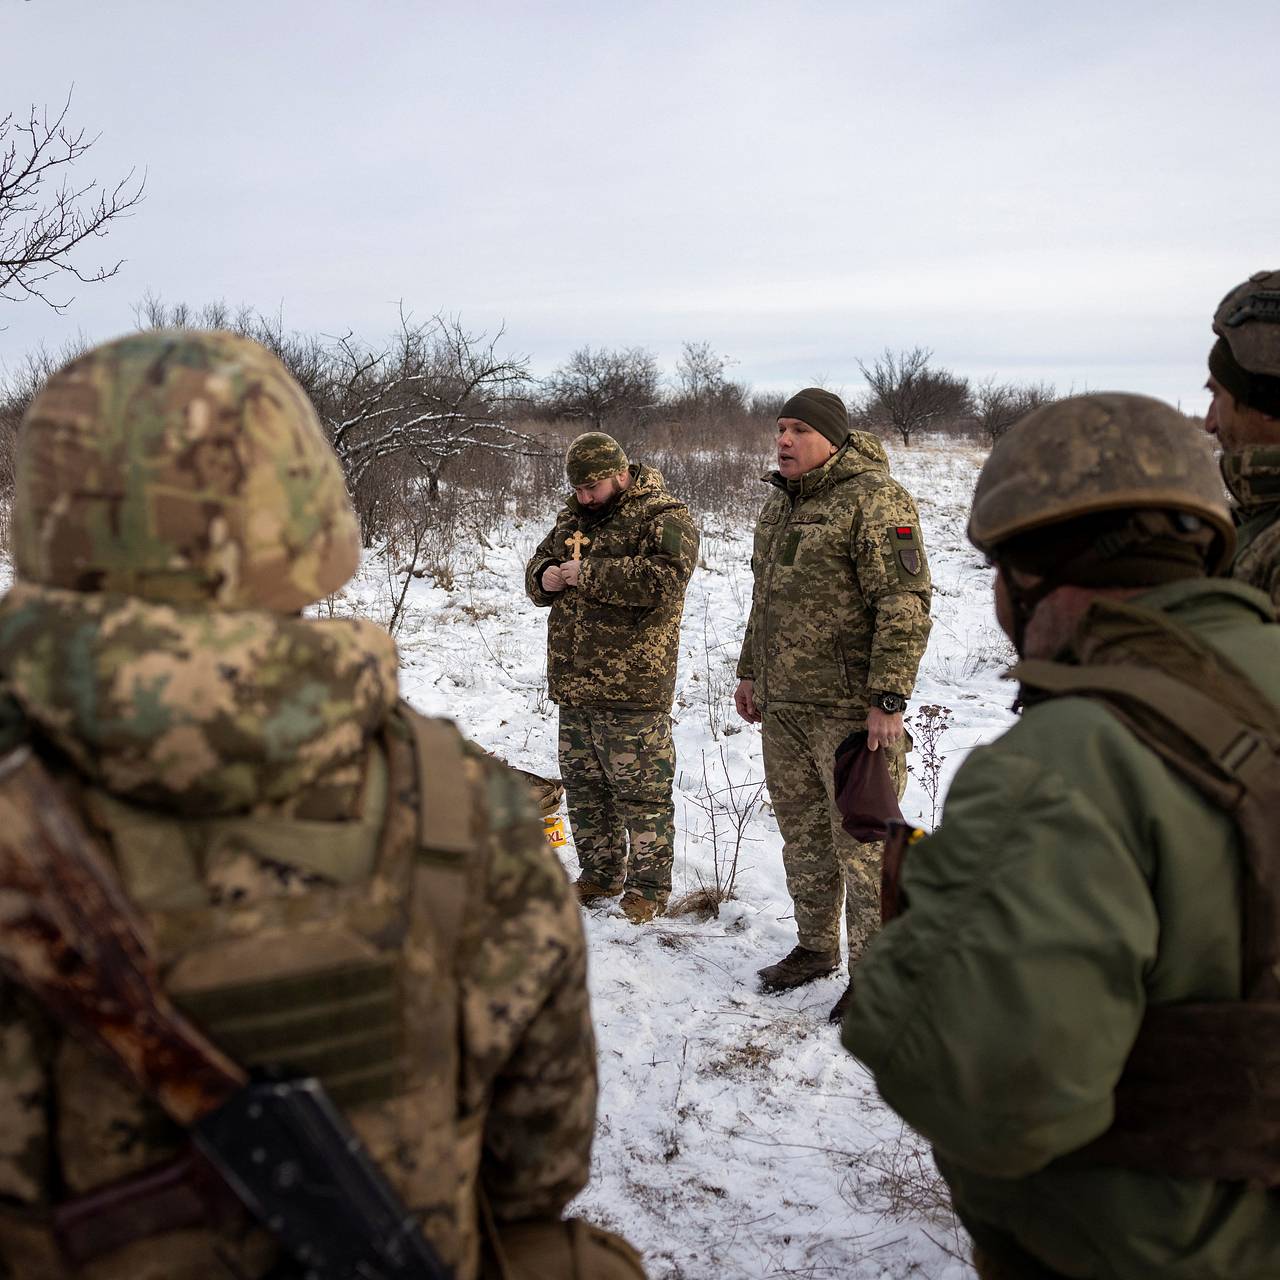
point(332, 882)
point(1253, 477)
point(1246, 360)
point(612, 646)
point(840, 612)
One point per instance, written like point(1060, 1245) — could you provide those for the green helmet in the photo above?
point(593, 457)
point(184, 468)
point(1248, 318)
point(1098, 453)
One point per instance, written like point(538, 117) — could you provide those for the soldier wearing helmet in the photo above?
point(1244, 380)
point(613, 572)
point(1075, 1005)
point(333, 885)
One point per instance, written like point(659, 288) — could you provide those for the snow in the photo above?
point(736, 1137)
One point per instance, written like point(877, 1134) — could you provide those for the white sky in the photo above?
point(1051, 190)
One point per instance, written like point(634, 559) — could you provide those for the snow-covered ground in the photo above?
point(736, 1138)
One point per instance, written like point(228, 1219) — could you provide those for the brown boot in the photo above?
point(639, 909)
point(842, 1006)
point(590, 891)
point(798, 967)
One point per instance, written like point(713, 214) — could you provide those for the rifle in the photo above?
point(277, 1147)
point(899, 837)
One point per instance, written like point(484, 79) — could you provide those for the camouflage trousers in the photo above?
point(618, 768)
point(823, 865)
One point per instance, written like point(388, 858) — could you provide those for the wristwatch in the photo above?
point(889, 703)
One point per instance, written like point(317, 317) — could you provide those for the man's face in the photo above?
point(1236, 425)
point(801, 448)
point(593, 496)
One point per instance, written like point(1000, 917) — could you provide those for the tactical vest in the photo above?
point(350, 976)
point(1199, 1096)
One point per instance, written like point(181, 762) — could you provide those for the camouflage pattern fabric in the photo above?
point(184, 467)
point(196, 710)
point(328, 878)
point(241, 907)
point(618, 769)
point(613, 640)
point(1249, 319)
point(1092, 453)
point(1253, 477)
point(840, 608)
point(592, 457)
point(823, 864)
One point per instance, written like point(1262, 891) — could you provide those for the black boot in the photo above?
point(842, 1006)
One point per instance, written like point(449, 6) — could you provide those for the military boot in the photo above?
point(639, 909)
point(591, 891)
point(798, 967)
point(842, 1006)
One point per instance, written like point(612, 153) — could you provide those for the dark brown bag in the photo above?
point(865, 794)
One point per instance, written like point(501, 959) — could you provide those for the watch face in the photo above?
point(891, 702)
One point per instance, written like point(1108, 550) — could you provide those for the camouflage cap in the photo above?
point(181, 467)
point(593, 457)
point(1097, 453)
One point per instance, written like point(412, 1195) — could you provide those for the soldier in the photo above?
point(1244, 379)
point(613, 572)
point(838, 624)
point(1078, 1006)
point(332, 883)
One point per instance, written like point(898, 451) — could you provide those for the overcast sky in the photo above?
point(1058, 191)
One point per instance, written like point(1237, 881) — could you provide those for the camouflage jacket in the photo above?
point(389, 917)
point(614, 639)
point(1253, 476)
point(840, 608)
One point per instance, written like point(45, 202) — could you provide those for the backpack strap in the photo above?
point(1233, 763)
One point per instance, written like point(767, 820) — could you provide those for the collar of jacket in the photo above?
point(1190, 602)
point(859, 453)
point(193, 710)
point(644, 481)
point(1252, 474)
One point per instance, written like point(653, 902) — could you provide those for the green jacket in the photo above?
point(1074, 881)
point(613, 640)
point(1253, 476)
point(840, 608)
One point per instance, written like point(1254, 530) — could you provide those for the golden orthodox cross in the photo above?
point(576, 543)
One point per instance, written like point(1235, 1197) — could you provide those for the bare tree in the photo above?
point(397, 413)
point(702, 389)
point(45, 214)
point(603, 384)
point(998, 405)
point(908, 393)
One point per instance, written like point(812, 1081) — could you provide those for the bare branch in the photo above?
point(44, 217)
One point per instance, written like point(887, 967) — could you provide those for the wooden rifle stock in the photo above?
point(71, 937)
point(277, 1147)
point(899, 837)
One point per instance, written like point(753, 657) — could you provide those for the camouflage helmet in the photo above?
point(185, 468)
point(593, 457)
point(1248, 318)
point(1098, 453)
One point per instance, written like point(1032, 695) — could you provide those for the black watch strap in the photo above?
point(889, 703)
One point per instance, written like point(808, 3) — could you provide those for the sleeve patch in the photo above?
point(672, 538)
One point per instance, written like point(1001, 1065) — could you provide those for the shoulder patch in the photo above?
point(672, 537)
